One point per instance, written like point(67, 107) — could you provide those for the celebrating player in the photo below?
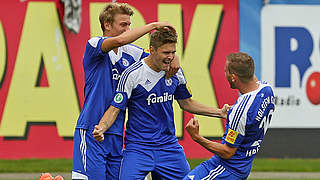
point(103, 61)
point(151, 144)
point(247, 123)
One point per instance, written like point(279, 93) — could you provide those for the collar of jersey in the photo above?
point(161, 73)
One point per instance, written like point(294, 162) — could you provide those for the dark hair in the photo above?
point(110, 10)
point(163, 35)
point(242, 65)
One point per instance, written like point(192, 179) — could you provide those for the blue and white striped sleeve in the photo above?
point(125, 86)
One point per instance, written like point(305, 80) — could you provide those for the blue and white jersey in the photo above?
point(102, 73)
point(149, 96)
point(247, 122)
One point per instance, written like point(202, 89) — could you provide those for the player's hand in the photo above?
point(174, 67)
point(224, 111)
point(193, 128)
point(98, 133)
point(162, 24)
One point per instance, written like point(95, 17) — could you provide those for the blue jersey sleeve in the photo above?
point(125, 86)
point(93, 51)
point(233, 138)
point(237, 121)
point(120, 100)
point(182, 91)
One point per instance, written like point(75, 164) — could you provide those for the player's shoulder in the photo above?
point(131, 48)
point(180, 76)
point(133, 69)
point(266, 88)
point(94, 41)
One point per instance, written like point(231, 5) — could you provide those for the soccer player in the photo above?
point(151, 144)
point(247, 123)
point(103, 61)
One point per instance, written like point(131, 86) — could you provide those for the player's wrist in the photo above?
point(196, 137)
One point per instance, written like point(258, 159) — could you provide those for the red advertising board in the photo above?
point(42, 80)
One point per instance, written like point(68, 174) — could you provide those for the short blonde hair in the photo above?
point(110, 10)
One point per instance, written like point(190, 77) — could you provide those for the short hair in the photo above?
point(163, 35)
point(110, 10)
point(242, 65)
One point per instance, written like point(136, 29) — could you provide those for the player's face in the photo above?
point(121, 24)
point(229, 76)
point(163, 56)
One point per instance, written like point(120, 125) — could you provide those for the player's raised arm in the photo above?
point(105, 123)
point(194, 107)
point(130, 36)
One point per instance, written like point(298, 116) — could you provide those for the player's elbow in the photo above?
point(227, 156)
point(185, 104)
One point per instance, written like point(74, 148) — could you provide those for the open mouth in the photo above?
point(166, 61)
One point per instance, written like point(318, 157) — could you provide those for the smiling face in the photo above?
point(162, 56)
point(162, 48)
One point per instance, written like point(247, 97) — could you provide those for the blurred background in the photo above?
point(41, 76)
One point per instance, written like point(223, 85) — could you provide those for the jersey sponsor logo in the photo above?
point(118, 98)
point(153, 98)
point(169, 82)
point(115, 74)
point(252, 152)
point(231, 136)
point(256, 145)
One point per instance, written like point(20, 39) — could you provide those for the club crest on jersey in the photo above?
point(118, 98)
point(115, 74)
point(169, 82)
point(125, 62)
point(231, 136)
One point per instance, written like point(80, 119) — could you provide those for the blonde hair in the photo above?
point(110, 10)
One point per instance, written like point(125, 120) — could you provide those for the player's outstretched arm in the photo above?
point(194, 107)
point(222, 150)
point(130, 36)
point(105, 123)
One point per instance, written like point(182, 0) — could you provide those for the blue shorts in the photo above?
point(95, 160)
point(211, 169)
point(169, 163)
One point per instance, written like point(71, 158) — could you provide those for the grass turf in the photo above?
point(65, 165)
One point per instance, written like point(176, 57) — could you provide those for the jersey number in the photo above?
point(266, 121)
